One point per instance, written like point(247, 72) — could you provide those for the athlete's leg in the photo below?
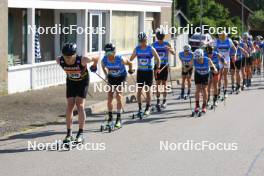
point(80, 104)
point(139, 92)
point(225, 73)
point(189, 80)
point(158, 87)
point(183, 85)
point(69, 113)
point(164, 86)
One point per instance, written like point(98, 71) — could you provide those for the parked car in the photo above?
point(198, 40)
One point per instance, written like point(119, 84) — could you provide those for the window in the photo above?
point(97, 39)
point(67, 19)
point(17, 36)
point(125, 28)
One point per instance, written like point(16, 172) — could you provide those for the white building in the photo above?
point(121, 19)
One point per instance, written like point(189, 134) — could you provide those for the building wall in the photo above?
point(3, 46)
point(165, 17)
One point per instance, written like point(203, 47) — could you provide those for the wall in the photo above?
point(3, 46)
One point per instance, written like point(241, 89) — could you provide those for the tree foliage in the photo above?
point(257, 19)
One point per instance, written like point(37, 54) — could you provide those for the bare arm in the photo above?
point(156, 56)
point(133, 56)
point(244, 52)
point(128, 63)
point(213, 66)
point(104, 68)
point(170, 49)
point(86, 60)
point(58, 60)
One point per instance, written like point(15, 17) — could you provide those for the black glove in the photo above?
point(93, 68)
point(131, 72)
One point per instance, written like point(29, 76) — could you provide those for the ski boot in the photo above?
point(118, 123)
point(164, 104)
point(232, 89)
point(79, 138)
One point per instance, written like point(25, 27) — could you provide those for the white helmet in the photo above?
point(187, 48)
point(245, 34)
point(198, 53)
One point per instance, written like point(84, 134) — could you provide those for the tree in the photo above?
point(255, 5)
point(213, 14)
point(257, 19)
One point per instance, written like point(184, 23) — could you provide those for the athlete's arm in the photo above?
point(244, 52)
point(58, 60)
point(170, 49)
point(104, 68)
point(128, 63)
point(222, 59)
point(86, 60)
point(213, 66)
point(156, 56)
point(133, 56)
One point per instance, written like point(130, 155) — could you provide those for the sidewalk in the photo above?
point(24, 111)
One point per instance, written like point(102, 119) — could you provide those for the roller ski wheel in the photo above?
point(196, 112)
point(66, 144)
point(138, 115)
point(79, 140)
point(158, 108)
point(107, 126)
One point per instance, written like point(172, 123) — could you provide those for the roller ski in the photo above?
point(238, 90)
point(140, 115)
point(196, 112)
point(164, 104)
point(108, 125)
point(157, 108)
point(187, 96)
point(182, 96)
point(233, 90)
point(70, 143)
point(224, 96)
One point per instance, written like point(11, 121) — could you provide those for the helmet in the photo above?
point(160, 34)
point(142, 36)
point(209, 49)
point(109, 47)
point(198, 53)
point(69, 49)
point(245, 34)
point(187, 48)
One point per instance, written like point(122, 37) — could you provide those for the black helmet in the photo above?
point(160, 34)
point(209, 49)
point(142, 36)
point(109, 47)
point(69, 49)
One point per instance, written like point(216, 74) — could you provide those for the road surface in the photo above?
point(139, 148)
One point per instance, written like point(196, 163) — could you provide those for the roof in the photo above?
point(179, 12)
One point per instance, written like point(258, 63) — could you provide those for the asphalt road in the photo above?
point(136, 148)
